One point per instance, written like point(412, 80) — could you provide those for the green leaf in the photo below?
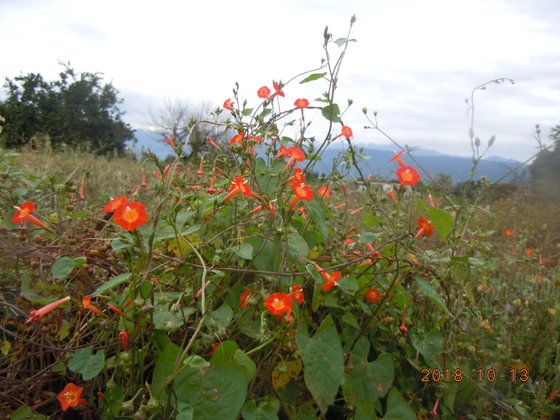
point(429, 346)
point(266, 410)
point(398, 408)
point(244, 251)
point(63, 267)
point(215, 393)
point(442, 220)
point(164, 368)
point(460, 268)
point(318, 213)
point(182, 216)
point(31, 295)
point(368, 381)
point(220, 317)
point(297, 246)
point(114, 282)
point(266, 255)
point(323, 361)
point(229, 353)
point(312, 77)
point(331, 112)
point(370, 221)
point(86, 363)
point(432, 294)
point(26, 413)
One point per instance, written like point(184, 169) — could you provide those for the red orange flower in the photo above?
point(324, 192)
point(348, 242)
point(426, 227)
point(301, 103)
point(297, 293)
point(356, 211)
point(346, 131)
point(131, 215)
point(408, 176)
point(302, 192)
point(398, 158)
point(296, 154)
point(171, 141)
point(373, 295)
point(82, 191)
point(530, 252)
point(115, 203)
point(393, 196)
point(25, 212)
point(278, 90)
point(86, 303)
point(200, 171)
point(298, 176)
point(508, 233)
point(279, 303)
point(124, 338)
point(212, 141)
point(238, 138)
point(115, 309)
point(331, 279)
point(240, 186)
point(263, 92)
point(37, 314)
point(244, 298)
point(71, 396)
point(228, 104)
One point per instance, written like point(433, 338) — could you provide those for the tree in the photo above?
point(176, 120)
point(77, 109)
point(545, 170)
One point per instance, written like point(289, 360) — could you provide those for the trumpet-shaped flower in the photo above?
point(228, 104)
point(408, 176)
point(238, 138)
point(37, 314)
point(277, 89)
point(71, 396)
point(245, 297)
point(324, 192)
point(373, 295)
point(263, 92)
point(131, 215)
point(346, 131)
point(86, 303)
point(279, 303)
point(302, 192)
point(124, 338)
point(301, 103)
point(426, 227)
point(25, 212)
point(398, 158)
point(299, 176)
point(240, 186)
point(331, 279)
point(297, 293)
point(115, 203)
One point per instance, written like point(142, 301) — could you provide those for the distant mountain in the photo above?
point(377, 164)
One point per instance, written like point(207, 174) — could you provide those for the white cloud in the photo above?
point(415, 61)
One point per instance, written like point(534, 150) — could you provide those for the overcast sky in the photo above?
point(415, 61)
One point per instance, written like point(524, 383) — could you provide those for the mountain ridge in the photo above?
point(378, 162)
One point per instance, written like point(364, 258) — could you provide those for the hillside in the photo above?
point(377, 164)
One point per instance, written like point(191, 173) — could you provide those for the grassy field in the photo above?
point(467, 326)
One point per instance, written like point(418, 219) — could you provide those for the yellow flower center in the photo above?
point(130, 214)
point(277, 304)
point(70, 396)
